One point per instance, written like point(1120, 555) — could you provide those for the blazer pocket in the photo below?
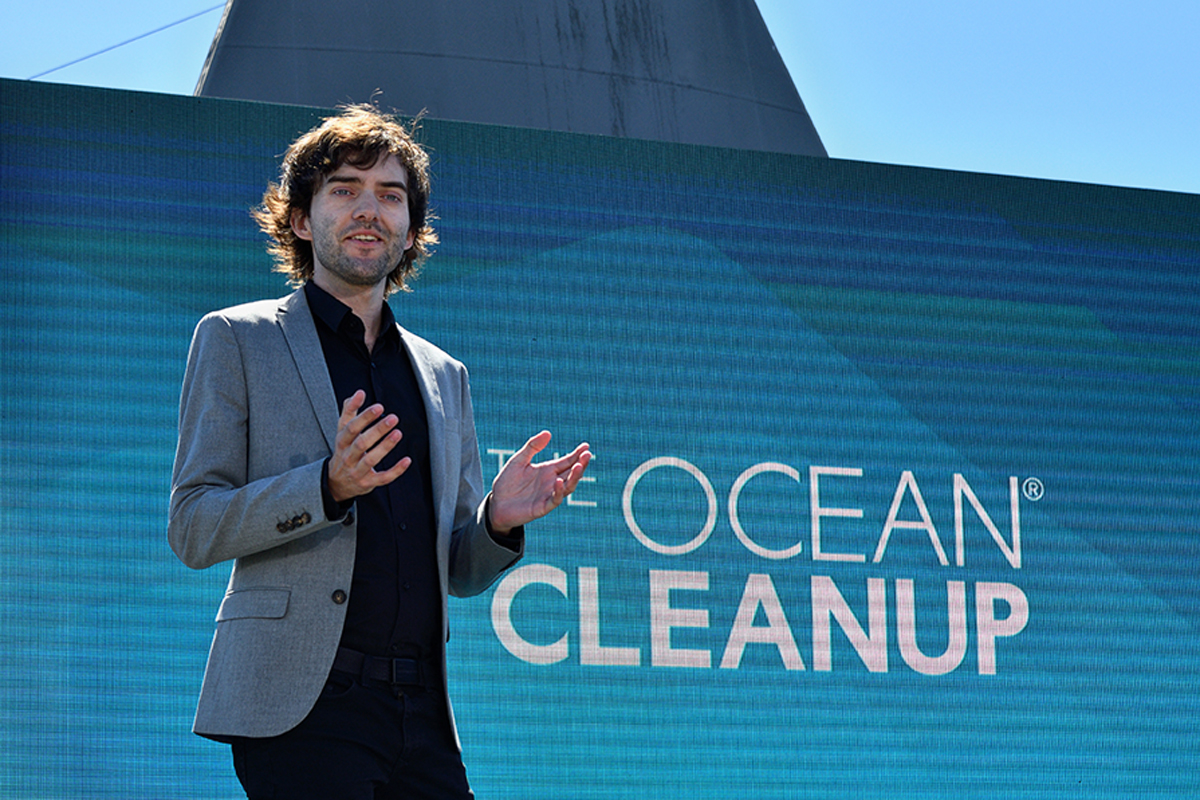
point(266, 603)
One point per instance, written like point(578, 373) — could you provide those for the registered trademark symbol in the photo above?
point(1033, 489)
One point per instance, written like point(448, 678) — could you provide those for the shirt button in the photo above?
point(338, 597)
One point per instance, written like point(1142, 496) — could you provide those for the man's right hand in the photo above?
point(363, 440)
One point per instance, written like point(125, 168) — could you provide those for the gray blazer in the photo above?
point(257, 417)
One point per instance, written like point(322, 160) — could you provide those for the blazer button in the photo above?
point(348, 520)
point(339, 597)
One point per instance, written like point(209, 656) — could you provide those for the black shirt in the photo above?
point(395, 604)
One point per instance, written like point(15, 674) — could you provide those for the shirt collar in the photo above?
point(333, 312)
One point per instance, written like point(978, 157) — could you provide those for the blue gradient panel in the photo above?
point(896, 480)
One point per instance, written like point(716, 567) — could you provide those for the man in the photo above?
point(347, 530)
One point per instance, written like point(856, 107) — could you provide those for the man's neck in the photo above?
point(365, 301)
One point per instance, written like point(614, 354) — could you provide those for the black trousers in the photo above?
point(364, 740)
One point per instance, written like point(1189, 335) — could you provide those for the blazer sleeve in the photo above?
point(218, 509)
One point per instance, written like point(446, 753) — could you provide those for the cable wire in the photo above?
point(127, 41)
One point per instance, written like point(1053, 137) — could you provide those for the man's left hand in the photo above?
point(524, 491)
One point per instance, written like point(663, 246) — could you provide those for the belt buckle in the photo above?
point(406, 672)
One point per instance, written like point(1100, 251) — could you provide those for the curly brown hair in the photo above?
point(359, 136)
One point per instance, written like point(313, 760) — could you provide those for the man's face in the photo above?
point(358, 224)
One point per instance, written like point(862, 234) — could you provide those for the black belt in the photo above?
point(396, 671)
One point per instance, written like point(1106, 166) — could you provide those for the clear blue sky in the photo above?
point(1098, 91)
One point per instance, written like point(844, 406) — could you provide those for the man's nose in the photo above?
point(366, 207)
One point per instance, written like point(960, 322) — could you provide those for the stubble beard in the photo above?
point(364, 272)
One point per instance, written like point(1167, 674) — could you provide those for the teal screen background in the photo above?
point(805, 381)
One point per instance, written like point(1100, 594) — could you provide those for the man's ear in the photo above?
point(300, 226)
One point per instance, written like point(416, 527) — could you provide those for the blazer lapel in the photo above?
point(435, 416)
point(296, 322)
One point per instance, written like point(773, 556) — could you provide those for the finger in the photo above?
point(573, 477)
point(581, 454)
point(571, 480)
point(558, 495)
point(351, 406)
point(349, 429)
point(362, 478)
point(393, 472)
point(532, 447)
point(373, 444)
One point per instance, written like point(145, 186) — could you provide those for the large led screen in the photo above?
point(897, 476)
